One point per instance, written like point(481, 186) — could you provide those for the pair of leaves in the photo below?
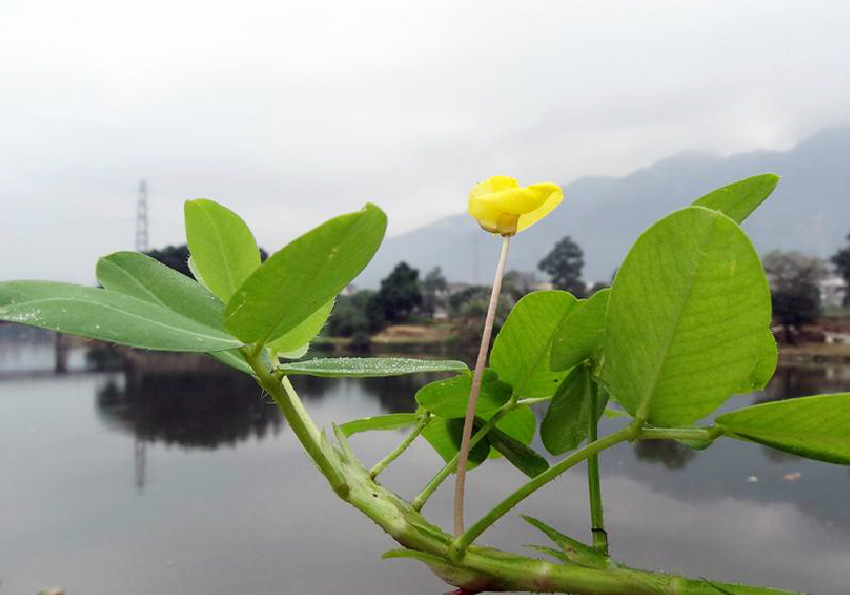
point(108, 316)
point(447, 400)
point(284, 301)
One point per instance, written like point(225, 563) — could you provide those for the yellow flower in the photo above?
point(501, 206)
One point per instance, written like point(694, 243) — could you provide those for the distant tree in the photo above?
point(598, 286)
point(401, 292)
point(434, 286)
point(516, 284)
point(841, 260)
point(177, 258)
point(794, 288)
point(359, 314)
point(564, 265)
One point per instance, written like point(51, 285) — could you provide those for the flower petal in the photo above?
point(553, 197)
point(491, 185)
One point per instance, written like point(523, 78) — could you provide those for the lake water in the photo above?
point(192, 485)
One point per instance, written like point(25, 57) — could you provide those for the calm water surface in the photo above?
point(193, 485)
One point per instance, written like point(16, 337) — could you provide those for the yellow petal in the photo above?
point(491, 185)
point(554, 195)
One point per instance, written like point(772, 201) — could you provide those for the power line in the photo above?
point(142, 218)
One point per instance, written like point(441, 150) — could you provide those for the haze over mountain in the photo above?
point(809, 212)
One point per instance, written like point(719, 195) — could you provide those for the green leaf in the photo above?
point(366, 367)
point(233, 359)
point(522, 457)
point(145, 278)
point(444, 435)
point(448, 398)
point(580, 333)
point(567, 421)
point(739, 199)
point(686, 318)
point(812, 427)
point(106, 315)
point(519, 423)
point(294, 282)
point(299, 338)
point(576, 551)
point(766, 361)
point(394, 421)
point(523, 347)
point(223, 249)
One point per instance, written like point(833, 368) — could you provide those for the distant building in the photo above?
point(833, 291)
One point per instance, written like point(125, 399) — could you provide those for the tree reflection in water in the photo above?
point(192, 410)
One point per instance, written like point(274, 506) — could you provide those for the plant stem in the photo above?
point(449, 467)
point(709, 433)
point(290, 405)
point(382, 464)
point(597, 515)
point(460, 480)
point(462, 542)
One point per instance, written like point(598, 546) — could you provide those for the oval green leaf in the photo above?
point(444, 436)
point(298, 339)
point(296, 281)
point(813, 427)
point(686, 318)
point(580, 333)
point(145, 278)
point(108, 316)
point(739, 199)
point(364, 367)
point(393, 421)
point(223, 249)
point(448, 398)
point(522, 350)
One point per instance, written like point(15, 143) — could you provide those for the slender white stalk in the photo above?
point(460, 480)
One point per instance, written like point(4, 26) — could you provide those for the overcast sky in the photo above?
point(291, 112)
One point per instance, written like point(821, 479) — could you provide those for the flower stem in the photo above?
point(460, 480)
point(382, 464)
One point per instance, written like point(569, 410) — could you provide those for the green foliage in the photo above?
point(294, 343)
point(580, 332)
point(567, 420)
point(813, 427)
point(444, 436)
point(294, 282)
point(365, 367)
point(564, 265)
point(147, 279)
point(222, 247)
point(740, 199)
point(393, 421)
point(522, 350)
point(686, 318)
point(107, 315)
point(685, 325)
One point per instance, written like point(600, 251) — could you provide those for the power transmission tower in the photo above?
point(142, 218)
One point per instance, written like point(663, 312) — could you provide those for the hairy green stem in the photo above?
point(463, 541)
point(449, 467)
point(281, 390)
point(597, 515)
point(706, 433)
point(460, 479)
point(382, 464)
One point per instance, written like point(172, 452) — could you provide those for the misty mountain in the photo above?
point(809, 212)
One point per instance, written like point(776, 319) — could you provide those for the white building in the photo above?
point(833, 291)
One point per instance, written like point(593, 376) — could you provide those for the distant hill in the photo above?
point(810, 212)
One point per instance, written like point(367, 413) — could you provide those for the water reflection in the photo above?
point(674, 455)
point(189, 410)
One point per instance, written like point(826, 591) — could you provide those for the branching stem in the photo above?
point(449, 467)
point(460, 480)
point(382, 464)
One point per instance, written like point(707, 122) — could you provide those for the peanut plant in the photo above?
point(685, 325)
